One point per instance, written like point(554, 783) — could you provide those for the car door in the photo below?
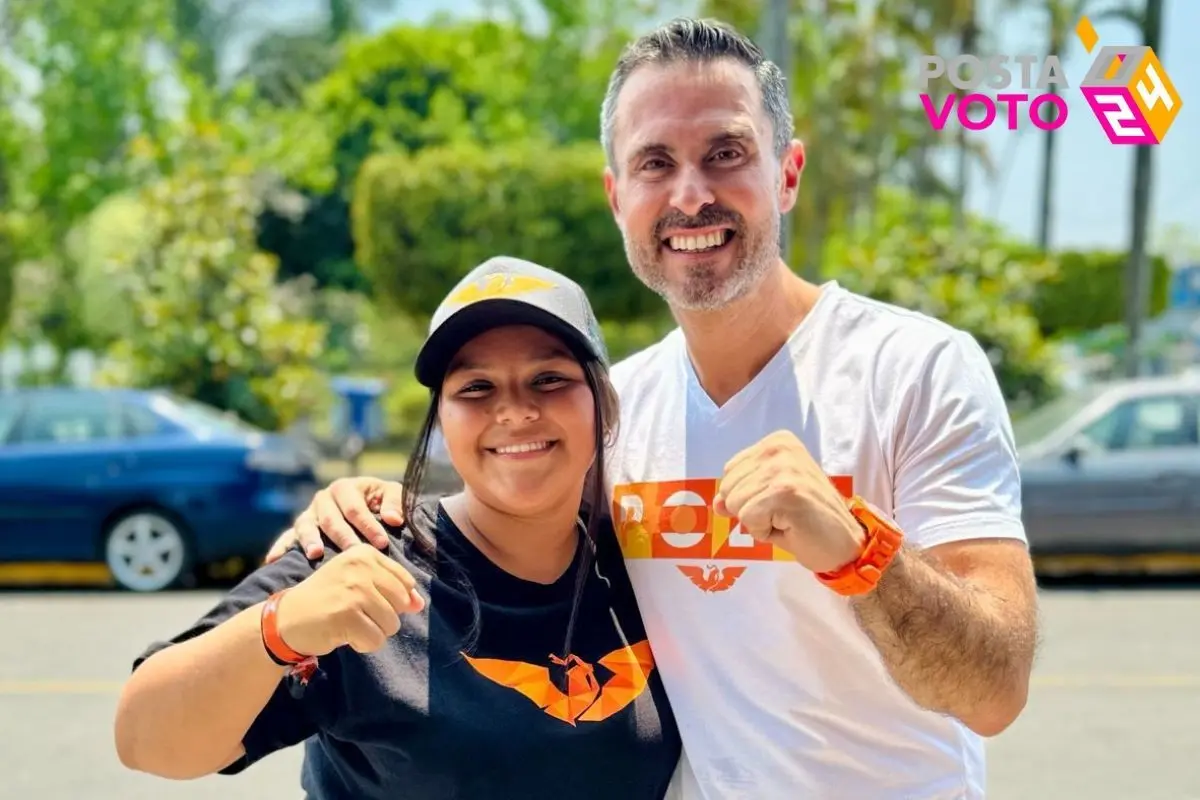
point(60, 463)
point(1132, 491)
point(15, 529)
point(1190, 479)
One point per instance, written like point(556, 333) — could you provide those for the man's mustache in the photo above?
point(708, 216)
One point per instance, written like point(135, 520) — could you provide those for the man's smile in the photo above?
point(700, 241)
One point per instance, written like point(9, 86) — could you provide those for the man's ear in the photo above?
point(610, 191)
point(792, 166)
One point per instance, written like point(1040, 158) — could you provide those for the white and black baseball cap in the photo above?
point(509, 291)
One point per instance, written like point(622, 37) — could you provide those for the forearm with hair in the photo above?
point(954, 646)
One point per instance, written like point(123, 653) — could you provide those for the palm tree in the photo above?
point(959, 19)
point(1062, 16)
point(203, 33)
point(925, 23)
point(773, 37)
point(283, 63)
point(968, 38)
point(348, 16)
point(1149, 20)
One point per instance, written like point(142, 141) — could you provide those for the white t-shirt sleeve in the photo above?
point(956, 466)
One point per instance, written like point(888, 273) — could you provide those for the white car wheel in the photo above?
point(145, 552)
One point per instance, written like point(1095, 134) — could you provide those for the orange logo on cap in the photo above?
point(498, 285)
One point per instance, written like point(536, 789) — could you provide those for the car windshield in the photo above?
point(191, 412)
point(1045, 420)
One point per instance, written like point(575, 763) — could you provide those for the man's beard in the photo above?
point(704, 288)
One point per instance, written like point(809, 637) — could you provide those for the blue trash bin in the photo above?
point(358, 416)
point(1185, 288)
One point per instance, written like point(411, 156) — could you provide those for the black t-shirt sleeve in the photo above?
point(286, 720)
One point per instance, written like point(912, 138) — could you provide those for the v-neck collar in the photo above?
point(699, 400)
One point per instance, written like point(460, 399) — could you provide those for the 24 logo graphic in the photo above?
point(585, 698)
point(1129, 91)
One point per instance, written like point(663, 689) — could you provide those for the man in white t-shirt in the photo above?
point(817, 494)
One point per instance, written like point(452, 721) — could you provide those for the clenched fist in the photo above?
point(355, 599)
point(780, 495)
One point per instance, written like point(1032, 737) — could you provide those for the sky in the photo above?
point(1094, 178)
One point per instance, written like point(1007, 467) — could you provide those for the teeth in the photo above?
point(715, 239)
point(522, 448)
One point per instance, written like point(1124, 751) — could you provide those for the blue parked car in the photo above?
point(149, 483)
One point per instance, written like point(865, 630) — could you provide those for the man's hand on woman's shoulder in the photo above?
point(345, 513)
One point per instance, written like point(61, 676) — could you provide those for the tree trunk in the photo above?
point(968, 38)
point(342, 18)
point(814, 246)
point(1138, 278)
point(775, 43)
point(197, 24)
point(1046, 213)
point(8, 255)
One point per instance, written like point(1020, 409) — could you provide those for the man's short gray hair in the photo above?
point(700, 40)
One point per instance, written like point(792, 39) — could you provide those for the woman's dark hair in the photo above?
point(592, 510)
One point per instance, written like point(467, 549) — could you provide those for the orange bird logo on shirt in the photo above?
point(585, 698)
point(712, 578)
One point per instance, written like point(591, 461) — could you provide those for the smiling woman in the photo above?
point(518, 416)
point(524, 405)
point(495, 649)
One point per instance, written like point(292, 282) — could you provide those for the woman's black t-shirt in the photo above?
point(509, 717)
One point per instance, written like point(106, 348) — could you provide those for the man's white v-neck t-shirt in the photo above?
point(778, 693)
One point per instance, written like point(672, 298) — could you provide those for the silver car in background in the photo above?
point(1114, 469)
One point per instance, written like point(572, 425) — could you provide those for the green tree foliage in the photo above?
point(1088, 292)
point(118, 227)
point(9, 255)
point(86, 88)
point(14, 141)
point(572, 62)
point(406, 88)
point(413, 87)
point(442, 84)
point(745, 15)
point(422, 221)
point(119, 224)
point(211, 327)
point(974, 279)
point(8, 266)
point(94, 89)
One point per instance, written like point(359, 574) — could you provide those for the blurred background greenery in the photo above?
point(243, 236)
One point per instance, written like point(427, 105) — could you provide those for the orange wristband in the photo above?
point(862, 574)
point(276, 647)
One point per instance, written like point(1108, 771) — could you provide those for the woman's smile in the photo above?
point(524, 450)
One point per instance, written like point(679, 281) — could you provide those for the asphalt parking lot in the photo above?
point(1113, 715)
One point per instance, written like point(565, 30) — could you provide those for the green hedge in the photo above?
point(974, 277)
point(1089, 290)
point(424, 220)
